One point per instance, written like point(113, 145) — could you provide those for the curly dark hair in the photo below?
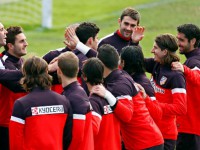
point(190, 31)
point(133, 59)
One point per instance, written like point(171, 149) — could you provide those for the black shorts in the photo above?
point(169, 144)
point(4, 138)
point(187, 141)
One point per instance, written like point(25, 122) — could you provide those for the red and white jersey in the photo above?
point(190, 122)
point(39, 121)
point(10, 90)
point(169, 87)
point(82, 133)
point(106, 125)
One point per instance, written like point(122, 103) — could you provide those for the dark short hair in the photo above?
point(93, 69)
point(131, 12)
point(133, 59)
point(190, 31)
point(12, 32)
point(35, 72)
point(86, 30)
point(109, 56)
point(68, 62)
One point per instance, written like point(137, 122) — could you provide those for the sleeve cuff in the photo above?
point(110, 98)
point(82, 48)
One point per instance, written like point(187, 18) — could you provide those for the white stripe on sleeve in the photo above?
point(18, 120)
point(79, 117)
point(178, 90)
point(96, 114)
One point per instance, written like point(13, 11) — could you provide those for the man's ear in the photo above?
point(193, 41)
point(122, 63)
point(119, 20)
point(84, 77)
point(59, 72)
point(10, 45)
point(89, 41)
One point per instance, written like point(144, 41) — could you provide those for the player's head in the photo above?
point(68, 64)
point(16, 41)
point(35, 72)
point(132, 59)
point(109, 56)
point(164, 49)
point(3, 33)
point(130, 18)
point(92, 71)
point(87, 33)
point(188, 37)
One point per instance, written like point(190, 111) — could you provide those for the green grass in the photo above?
point(158, 16)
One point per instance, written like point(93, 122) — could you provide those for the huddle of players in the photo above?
point(112, 109)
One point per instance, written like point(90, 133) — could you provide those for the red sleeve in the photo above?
point(96, 121)
point(124, 108)
point(179, 105)
point(16, 133)
point(77, 131)
point(154, 108)
point(192, 75)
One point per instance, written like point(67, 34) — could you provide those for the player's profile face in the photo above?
point(183, 44)
point(158, 53)
point(3, 33)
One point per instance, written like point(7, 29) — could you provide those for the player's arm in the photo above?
point(77, 131)
point(151, 103)
point(72, 41)
point(10, 75)
point(16, 128)
point(179, 104)
point(122, 105)
point(96, 115)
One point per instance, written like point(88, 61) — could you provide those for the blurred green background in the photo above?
point(157, 16)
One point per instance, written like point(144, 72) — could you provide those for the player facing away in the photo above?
point(105, 120)
point(40, 119)
point(120, 83)
point(82, 133)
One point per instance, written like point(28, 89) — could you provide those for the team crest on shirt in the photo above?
point(107, 109)
point(163, 80)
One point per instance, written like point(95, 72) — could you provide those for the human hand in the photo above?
point(99, 90)
point(71, 39)
point(138, 34)
point(53, 66)
point(177, 66)
point(141, 89)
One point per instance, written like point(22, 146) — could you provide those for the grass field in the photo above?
point(158, 16)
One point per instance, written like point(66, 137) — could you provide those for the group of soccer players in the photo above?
point(98, 96)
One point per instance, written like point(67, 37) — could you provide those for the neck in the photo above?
point(66, 81)
point(89, 86)
point(106, 72)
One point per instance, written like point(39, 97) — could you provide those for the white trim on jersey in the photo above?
point(79, 116)
point(178, 90)
point(195, 68)
point(96, 114)
point(124, 97)
point(153, 98)
point(105, 37)
point(18, 120)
